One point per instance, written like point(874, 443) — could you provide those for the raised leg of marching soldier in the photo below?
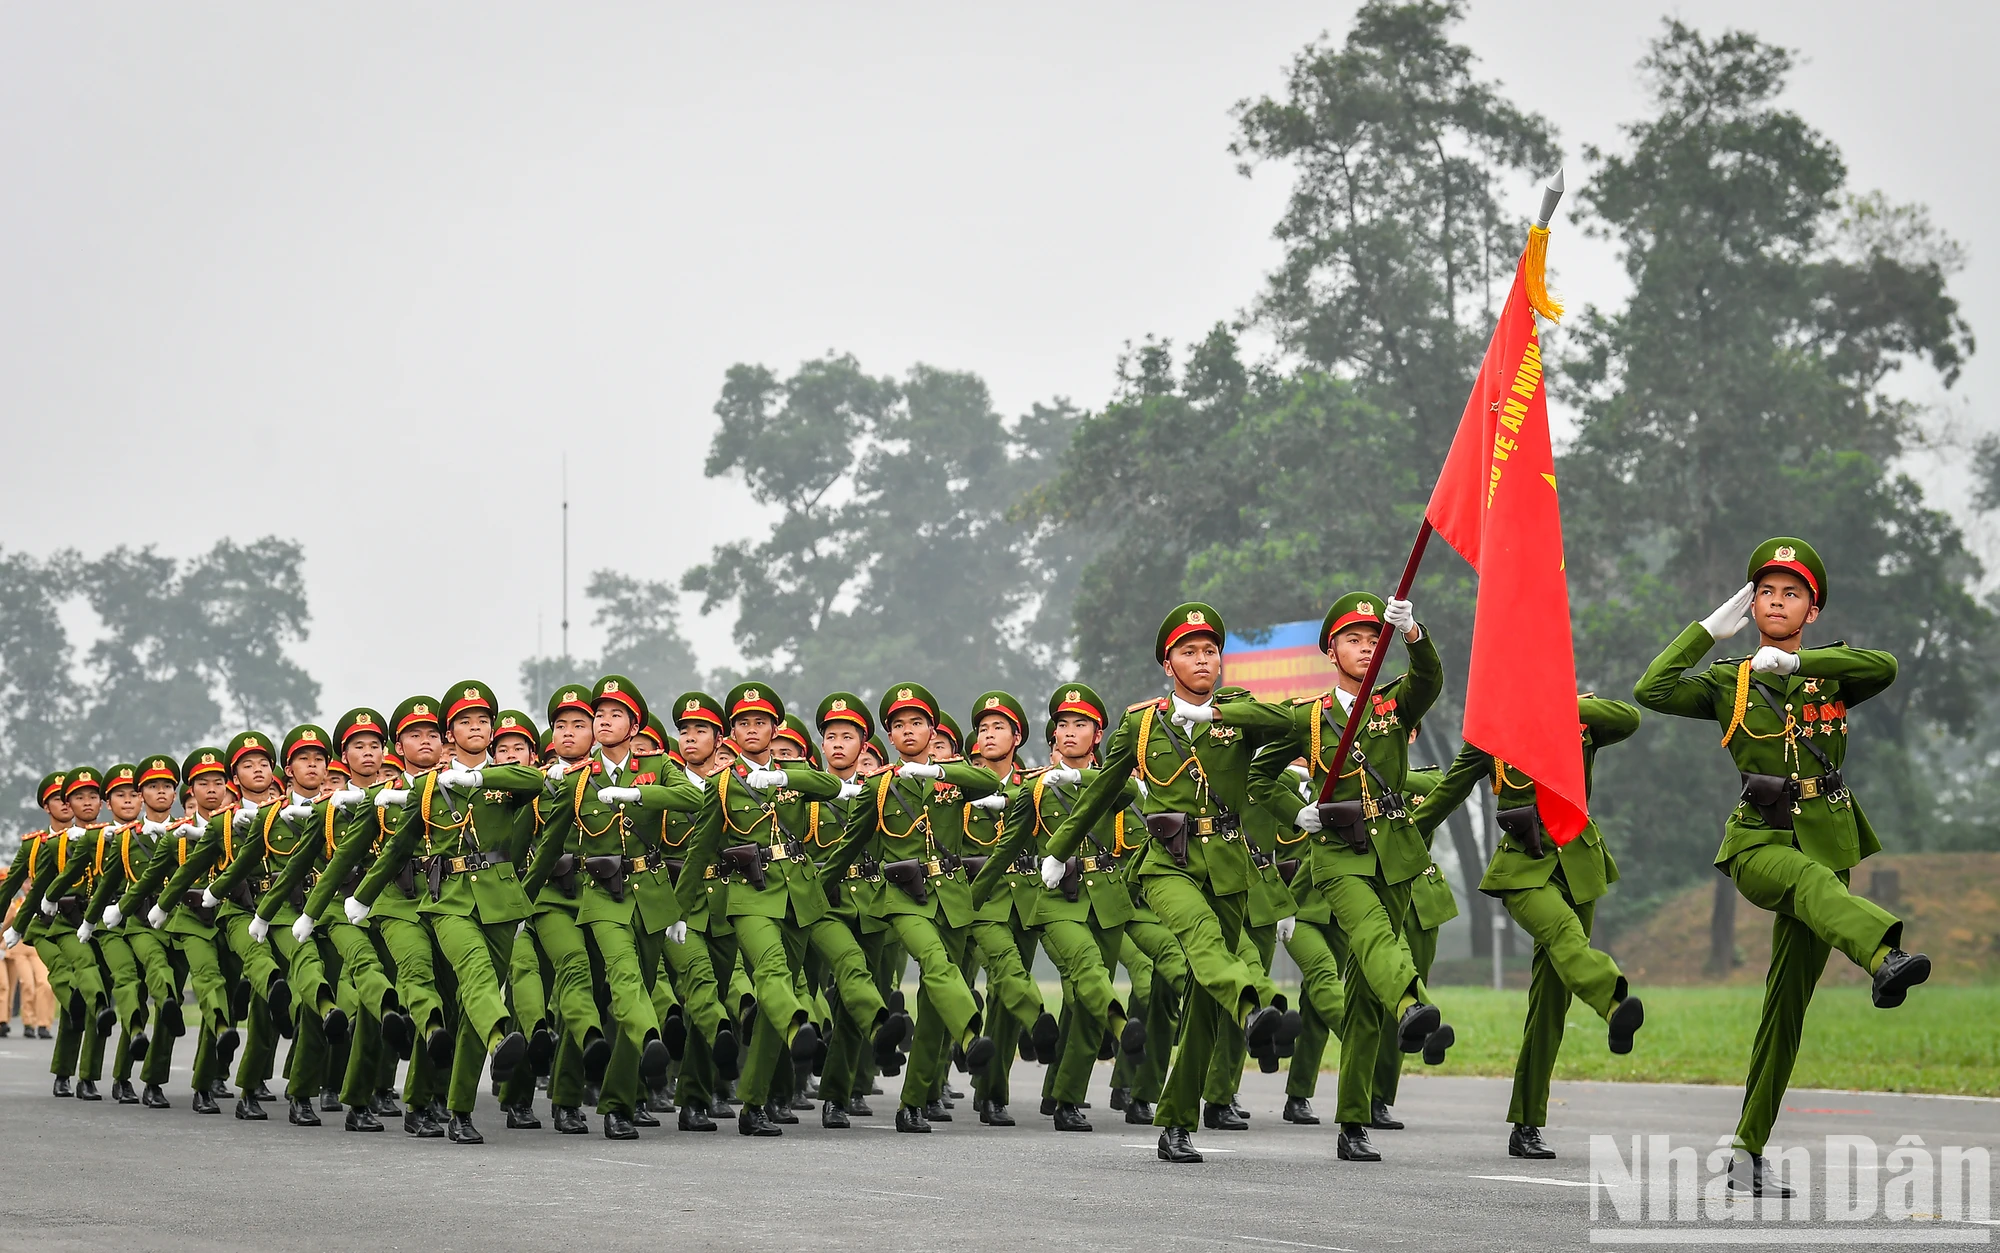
point(1314, 948)
point(312, 997)
point(1139, 1002)
point(219, 1038)
point(1085, 955)
point(992, 1086)
point(407, 944)
point(692, 968)
point(163, 984)
point(582, 1052)
point(773, 951)
point(945, 1008)
point(1210, 926)
point(632, 1012)
point(1166, 1006)
point(477, 952)
point(374, 1001)
point(1255, 945)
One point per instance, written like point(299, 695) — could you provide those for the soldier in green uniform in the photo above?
point(892, 828)
point(1552, 893)
point(251, 762)
point(343, 818)
point(39, 851)
point(516, 742)
point(1002, 936)
point(267, 873)
point(1192, 756)
point(598, 822)
point(1365, 850)
point(701, 964)
point(1082, 919)
point(398, 934)
point(1797, 829)
point(57, 894)
point(152, 972)
point(473, 898)
point(116, 965)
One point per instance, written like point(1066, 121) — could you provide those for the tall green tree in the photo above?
point(898, 549)
point(36, 693)
point(1742, 392)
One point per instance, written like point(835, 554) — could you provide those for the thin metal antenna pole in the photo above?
point(565, 556)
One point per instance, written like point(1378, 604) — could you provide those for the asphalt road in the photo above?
point(102, 1176)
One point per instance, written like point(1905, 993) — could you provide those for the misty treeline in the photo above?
point(1742, 390)
point(1755, 382)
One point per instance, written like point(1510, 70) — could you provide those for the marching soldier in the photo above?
point(473, 899)
point(1365, 850)
point(1082, 919)
point(1797, 829)
point(893, 825)
point(38, 849)
point(1192, 756)
point(1552, 893)
point(701, 966)
point(57, 895)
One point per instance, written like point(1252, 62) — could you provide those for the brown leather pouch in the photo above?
point(1343, 819)
point(746, 860)
point(909, 875)
point(1524, 823)
point(1171, 832)
point(609, 871)
point(1771, 795)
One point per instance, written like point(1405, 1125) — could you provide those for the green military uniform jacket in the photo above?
point(130, 853)
point(851, 897)
point(1431, 899)
point(21, 872)
point(200, 867)
point(1586, 861)
point(1812, 706)
point(1395, 850)
point(701, 893)
point(361, 836)
point(1037, 809)
point(170, 853)
point(578, 821)
point(274, 858)
point(75, 876)
point(900, 819)
point(444, 822)
point(782, 820)
point(977, 832)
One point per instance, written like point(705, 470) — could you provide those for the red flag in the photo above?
point(1495, 502)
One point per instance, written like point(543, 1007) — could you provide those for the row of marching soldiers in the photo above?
point(654, 922)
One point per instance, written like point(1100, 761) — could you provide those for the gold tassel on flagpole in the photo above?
point(1534, 265)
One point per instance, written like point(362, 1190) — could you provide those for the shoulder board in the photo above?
point(1132, 709)
point(945, 761)
point(1036, 773)
point(1305, 700)
point(879, 771)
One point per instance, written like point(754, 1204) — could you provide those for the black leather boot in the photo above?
point(1298, 1109)
point(203, 1103)
point(643, 1117)
point(1221, 1118)
point(1757, 1178)
point(1899, 973)
point(1416, 1025)
point(300, 1112)
point(833, 1116)
point(1627, 1016)
point(569, 1120)
point(153, 1098)
point(361, 1118)
point(1380, 1119)
point(750, 1121)
point(694, 1118)
point(1526, 1141)
point(911, 1118)
point(618, 1127)
point(994, 1114)
point(329, 1102)
point(249, 1110)
point(123, 1093)
point(1440, 1041)
point(1353, 1144)
point(461, 1131)
point(86, 1090)
point(1177, 1145)
point(934, 1111)
point(858, 1106)
point(1070, 1118)
point(263, 1092)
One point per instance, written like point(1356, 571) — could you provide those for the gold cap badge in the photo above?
point(1785, 552)
point(1196, 618)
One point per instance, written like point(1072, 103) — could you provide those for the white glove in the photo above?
point(391, 796)
point(149, 827)
point(112, 916)
point(1769, 660)
point(1399, 614)
point(356, 911)
point(919, 770)
point(10, 938)
point(1062, 774)
point(296, 813)
point(995, 801)
point(245, 816)
point(189, 827)
point(764, 779)
point(156, 917)
point(619, 795)
point(456, 777)
point(209, 900)
point(1305, 789)
point(348, 797)
point(74, 831)
point(302, 929)
point(48, 908)
point(520, 928)
point(678, 933)
point(557, 769)
point(1288, 925)
point(848, 791)
point(1052, 872)
point(1731, 615)
point(1308, 819)
point(259, 929)
point(83, 932)
point(1191, 714)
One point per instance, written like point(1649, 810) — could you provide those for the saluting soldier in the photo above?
point(893, 825)
point(1082, 919)
point(1365, 851)
point(1192, 756)
point(1551, 892)
point(473, 898)
point(1797, 829)
point(392, 919)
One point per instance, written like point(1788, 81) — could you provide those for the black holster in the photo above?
point(1072, 879)
point(747, 860)
point(609, 871)
point(1288, 869)
point(406, 878)
point(1171, 832)
point(192, 900)
point(674, 868)
point(70, 908)
point(1524, 823)
point(1772, 796)
point(563, 875)
point(909, 875)
point(973, 865)
point(1343, 820)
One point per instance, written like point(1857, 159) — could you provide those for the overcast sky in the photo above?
point(362, 274)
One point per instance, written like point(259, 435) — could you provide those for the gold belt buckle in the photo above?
point(640, 865)
point(853, 872)
point(1090, 864)
point(1371, 808)
point(1808, 788)
point(778, 853)
point(1204, 826)
point(708, 872)
point(933, 867)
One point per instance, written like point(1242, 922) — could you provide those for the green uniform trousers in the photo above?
point(1013, 983)
point(1085, 954)
point(478, 954)
point(312, 996)
point(413, 966)
point(1317, 949)
point(631, 1004)
point(946, 1012)
point(1565, 966)
point(563, 945)
point(526, 991)
point(1208, 926)
point(1256, 946)
point(156, 957)
point(775, 951)
point(1389, 1053)
point(841, 1077)
point(363, 970)
point(1377, 972)
point(1168, 985)
point(1815, 915)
